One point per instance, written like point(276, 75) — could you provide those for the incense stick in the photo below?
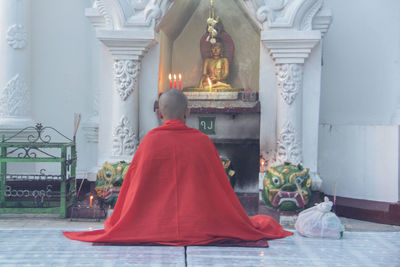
point(77, 194)
point(77, 120)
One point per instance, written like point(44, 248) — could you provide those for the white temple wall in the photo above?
point(148, 84)
point(268, 95)
point(363, 161)
point(358, 141)
point(311, 102)
point(61, 70)
point(361, 69)
point(104, 75)
point(62, 74)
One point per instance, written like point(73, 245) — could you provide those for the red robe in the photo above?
point(176, 192)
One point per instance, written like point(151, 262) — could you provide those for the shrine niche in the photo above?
point(214, 60)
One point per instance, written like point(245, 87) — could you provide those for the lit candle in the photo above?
point(174, 81)
point(91, 201)
point(180, 81)
point(262, 163)
point(209, 83)
point(170, 81)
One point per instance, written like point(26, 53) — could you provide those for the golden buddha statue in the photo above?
point(215, 69)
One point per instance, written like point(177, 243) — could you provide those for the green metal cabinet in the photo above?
point(37, 192)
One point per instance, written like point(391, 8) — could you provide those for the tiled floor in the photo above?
point(48, 247)
point(38, 241)
point(355, 249)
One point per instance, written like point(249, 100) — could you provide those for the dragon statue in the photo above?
point(109, 181)
point(111, 175)
point(287, 187)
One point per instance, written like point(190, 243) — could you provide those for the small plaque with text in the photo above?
point(207, 125)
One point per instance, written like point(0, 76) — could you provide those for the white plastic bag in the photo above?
point(319, 221)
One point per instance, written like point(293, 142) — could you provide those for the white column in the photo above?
point(125, 123)
point(289, 50)
point(15, 97)
point(127, 53)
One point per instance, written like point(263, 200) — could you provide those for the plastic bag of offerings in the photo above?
point(319, 221)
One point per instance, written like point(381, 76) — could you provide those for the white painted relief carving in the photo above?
point(14, 100)
point(295, 14)
point(125, 73)
point(270, 10)
point(288, 147)
point(100, 6)
point(125, 141)
point(289, 80)
point(139, 4)
point(306, 23)
point(17, 36)
point(144, 12)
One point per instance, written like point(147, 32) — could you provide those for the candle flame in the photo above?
point(262, 163)
point(174, 76)
point(170, 76)
point(180, 76)
point(91, 197)
point(209, 83)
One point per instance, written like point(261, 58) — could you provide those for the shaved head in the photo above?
point(173, 106)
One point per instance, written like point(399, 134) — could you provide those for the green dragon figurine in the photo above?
point(110, 178)
point(287, 187)
point(109, 181)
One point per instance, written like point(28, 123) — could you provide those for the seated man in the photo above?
point(176, 191)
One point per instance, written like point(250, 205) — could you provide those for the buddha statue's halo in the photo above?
point(225, 39)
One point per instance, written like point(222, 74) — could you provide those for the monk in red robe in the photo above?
point(176, 192)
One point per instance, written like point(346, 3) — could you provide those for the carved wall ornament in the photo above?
point(270, 10)
point(306, 23)
point(14, 100)
point(288, 147)
point(125, 73)
point(125, 141)
point(17, 36)
point(139, 4)
point(100, 6)
point(144, 12)
point(289, 79)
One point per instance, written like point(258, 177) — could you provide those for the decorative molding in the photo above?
point(309, 14)
point(270, 10)
point(144, 13)
point(125, 141)
point(125, 73)
point(125, 14)
point(288, 148)
point(14, 100)
point(17, 36)
point(99, 15)
point(289, 79)
point(286, 14)
point(290, 46)
point(322, 20)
